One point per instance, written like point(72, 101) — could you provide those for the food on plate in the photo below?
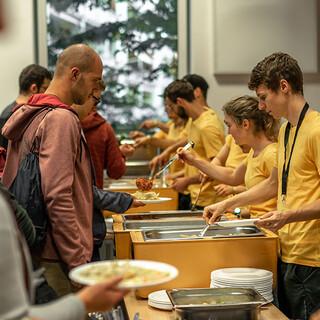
point(144, 184)
point(132, 275)
point(140, 195)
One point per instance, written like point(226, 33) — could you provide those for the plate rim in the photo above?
point(159, 200)
point(174, 272)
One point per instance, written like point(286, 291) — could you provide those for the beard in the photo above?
point(78, 93)
point(182, 113)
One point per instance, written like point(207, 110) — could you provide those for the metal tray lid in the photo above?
point(215, 298)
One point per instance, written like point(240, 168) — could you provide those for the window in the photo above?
point(137, 41)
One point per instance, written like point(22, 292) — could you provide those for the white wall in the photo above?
point(202, 60)
point(16, 47)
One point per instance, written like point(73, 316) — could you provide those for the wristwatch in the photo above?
point(237, 212)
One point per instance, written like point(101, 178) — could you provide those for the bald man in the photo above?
point(66, 176)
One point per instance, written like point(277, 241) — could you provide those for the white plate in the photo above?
point(159, 200)
point(242, 274)
point(171, 272)
point(237, 223)
point(159, 297)
point(160, 306)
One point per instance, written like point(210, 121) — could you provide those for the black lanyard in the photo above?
point(285, 170)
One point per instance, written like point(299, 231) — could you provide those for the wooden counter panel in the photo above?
point(196, 259)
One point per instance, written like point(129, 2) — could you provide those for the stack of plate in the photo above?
point(258, 279)
point(159, 300)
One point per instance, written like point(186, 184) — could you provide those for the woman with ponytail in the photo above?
point(250, 127)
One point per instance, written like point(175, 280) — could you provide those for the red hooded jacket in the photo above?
point(66, 177)
point(104, 148)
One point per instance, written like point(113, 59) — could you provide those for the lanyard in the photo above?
point(285, 170)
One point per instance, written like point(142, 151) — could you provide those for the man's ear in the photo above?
point(75, 73)
point(197, 92)
point(284, 86)
point(34, 89)
point(181, 102)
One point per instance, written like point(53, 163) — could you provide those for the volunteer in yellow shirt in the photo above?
point(278, 82)
point(179, 121)
point(257, 130)
point(230, 156)
point(205, 130)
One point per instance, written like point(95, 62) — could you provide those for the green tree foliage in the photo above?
point(144, 32)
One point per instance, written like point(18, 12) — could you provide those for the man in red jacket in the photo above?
point(64, 161)
point(104, 148)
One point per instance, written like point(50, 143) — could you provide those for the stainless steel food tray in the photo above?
point(215, 232)
point(216, 303)
point(156, 215)
point(163, 224)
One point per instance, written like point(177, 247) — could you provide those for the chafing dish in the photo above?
point(216, 303)
point(156, 215)
point(162, 224)
point(214, 232)
point(196, 258)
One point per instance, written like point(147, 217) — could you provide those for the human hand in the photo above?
point(203, 178)
point(102, 296)
point(127, 150)
point(159, 160)
point(136, 134)
point(186, 156)
point(137, 203)
point(273, 220)
point(214, 212)
point(223, 189)
point(148, 124)
point(140, 141)
point(180, 184)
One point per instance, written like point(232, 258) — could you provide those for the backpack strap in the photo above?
point(35, 143)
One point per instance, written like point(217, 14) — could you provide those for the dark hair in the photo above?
point(247, 107)
point(197, 82)
point(180, 89)
point(274, 68)
point(33, 74)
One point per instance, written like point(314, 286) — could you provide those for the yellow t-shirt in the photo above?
point(208, 135)
point(258, 169)
point(177, 133)
point(236, 155)
point(300, 241)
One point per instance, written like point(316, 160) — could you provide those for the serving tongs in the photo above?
point(194, 206)
point(189, 145)
point(213, 226)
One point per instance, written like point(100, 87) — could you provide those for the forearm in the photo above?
point(69, 307)
point(118, 202)
point(163, 126)
point(261, 192)
point(161, 143)
point(193, 179)
point(222, 174)
point(238, 189)
point(175, 146)
point(308, 212)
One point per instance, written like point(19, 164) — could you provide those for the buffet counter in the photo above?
point(134, 305)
